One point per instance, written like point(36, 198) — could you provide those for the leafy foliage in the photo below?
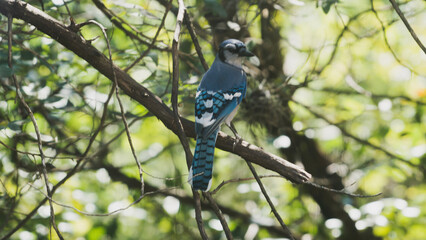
point(338, 90)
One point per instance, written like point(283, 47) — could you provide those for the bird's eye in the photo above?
point(231, 48)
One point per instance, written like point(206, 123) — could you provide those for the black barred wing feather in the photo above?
point(212, 108)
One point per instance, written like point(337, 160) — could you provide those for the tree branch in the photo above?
point(123, 116)
point(362, 141)
point(410, 29)
point(385, 38)
point(271, 205)
point(181, 133)
point(194, 38)
point(175, 86)
point(219, 214)
point(124, 26)
point(133, 183)
point(36, 128)
point(163, 20)
point(81, 47)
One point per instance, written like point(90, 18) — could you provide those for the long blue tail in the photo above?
point(200, 174)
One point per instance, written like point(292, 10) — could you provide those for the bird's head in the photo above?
point(233, 51)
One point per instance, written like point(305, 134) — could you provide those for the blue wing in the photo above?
point(212, 108)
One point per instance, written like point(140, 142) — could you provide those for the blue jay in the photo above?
point(221, 90)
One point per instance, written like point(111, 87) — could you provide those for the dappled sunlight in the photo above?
point(332, 123)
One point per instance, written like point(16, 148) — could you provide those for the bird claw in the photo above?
point(239, 139)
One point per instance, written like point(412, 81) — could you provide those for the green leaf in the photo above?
point(53, 99)
point(215, 7)
point(17, 125)
point(5, 71)
point(96, 233)
point(154, 57)
point(326, 5)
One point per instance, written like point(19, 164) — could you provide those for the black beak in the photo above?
point(245, 53)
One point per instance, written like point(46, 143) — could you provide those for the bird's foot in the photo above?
point(237, 141)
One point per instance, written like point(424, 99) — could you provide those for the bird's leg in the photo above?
point(237, 136)
point(234, 131)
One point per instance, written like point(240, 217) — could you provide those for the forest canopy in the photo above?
point(97, 120)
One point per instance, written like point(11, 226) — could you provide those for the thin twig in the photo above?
point(386, 39)
point(102, 214)
point(372, 95)
point(271, 205)
point(219, 214)
point(194, 38)
point(181, 133)
point(123, 25)
point(153, 40)
point(410, 29)
point(175, 84)
point(223, 183)
point(36, 128)
point(73, 171)
point(68, 10)
point(338, 40)
point(180, 194)
point(30, 153)
point(126, 126)
point(342, 191)
point(364, 142)
point(198, 217)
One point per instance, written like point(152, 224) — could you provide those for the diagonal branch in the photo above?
point(190, 27)
point(265, 194)
point(124, 26)
point(385, 38)
point(153, 103)
point(410, 29)
point(219, 214)
point(153, 40)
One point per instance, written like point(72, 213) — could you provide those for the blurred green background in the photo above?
point(338, 87)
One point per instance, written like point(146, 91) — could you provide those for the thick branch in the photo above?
point(74, 42)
